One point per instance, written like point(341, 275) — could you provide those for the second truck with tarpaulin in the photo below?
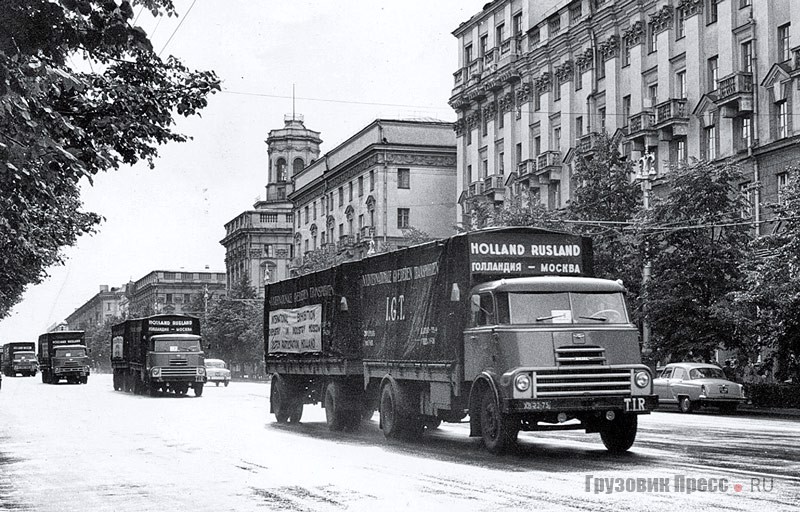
point(160, 353)
point(63, 355)
point(505, 326)
point(19, 357)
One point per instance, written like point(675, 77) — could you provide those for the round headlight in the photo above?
point(642, 379)
point(201, 370)
point(155, 372)
point(522, 382)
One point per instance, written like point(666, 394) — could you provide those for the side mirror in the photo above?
point(475, 303)
point(455, 293)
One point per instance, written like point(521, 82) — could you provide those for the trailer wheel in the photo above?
point(498, 430)
point(296, 413)
point(279, 399)
point(334, 415)
point(396, 422)
point(44, 377)
point(618, 434)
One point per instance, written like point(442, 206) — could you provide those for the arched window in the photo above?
point(297, 166)
point(282, 176)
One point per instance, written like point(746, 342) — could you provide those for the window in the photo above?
point(371, 181)
point(360, 186)
point(269, 251)
point(713, 12)
point(517, 21)
point(169, 298)
point(535, 37)
point(403, 215)
point(554, 25)
point(306, 214)
point(484, 124)
point(501, 166)
point(187, 298)
point(579, 126)
point(681, 153)
point(403, 178)
point(341, 230)
point(281, 165)
point(652, 40)
point(341, 196)
point(626, 109)
point(467, 54)
point(499, 34)
point(484, 45)
point(469, 135)
point(747, 57)
point(501, 119)
point(784, 49)
point(314, 210)
point(626, 53)
point(306, 246)
point(710, 143)
point(601, 114)
point(783, 119)
point(557, 138)
point(556, 91)
point(578, 80)
point(745, 3)
point(537, 101)
point(680, 25)
point(746, 132)
point(297, 166)
point(484, 168)
point(713, 73)
point(537, 145)
point(517, 154)
point(575, 13)
point(680, 84)
point(350, 186)
point(652, 94)
point(782, 181)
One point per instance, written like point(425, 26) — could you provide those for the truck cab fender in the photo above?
point(486, 382)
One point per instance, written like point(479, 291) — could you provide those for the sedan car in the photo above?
point(217, 372)
point(694, 385)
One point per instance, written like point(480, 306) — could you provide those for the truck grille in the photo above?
point(168, 371)
point(581, 382)
point(572, 355)
point(178, 362)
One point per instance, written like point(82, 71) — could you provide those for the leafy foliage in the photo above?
point(60, 125)
point(695, 266)
point(769, 302)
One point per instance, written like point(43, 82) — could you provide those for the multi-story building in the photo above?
point(258, 243)
point(668, 80)
point(164, 291)
point(389, 177)
point(105, 305)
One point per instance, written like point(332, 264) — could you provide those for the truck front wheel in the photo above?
point(198, 389)
point(618, 434)
point(498, 430)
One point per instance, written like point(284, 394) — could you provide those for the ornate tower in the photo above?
point(290, 149)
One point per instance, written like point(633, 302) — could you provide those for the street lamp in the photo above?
point(647, 172)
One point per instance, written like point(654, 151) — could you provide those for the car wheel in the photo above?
point(217, 383)
point(685, 405)
point(498, 431)
point(619, 434)
point(226, 383)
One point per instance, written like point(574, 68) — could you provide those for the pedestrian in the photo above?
point(728, 370)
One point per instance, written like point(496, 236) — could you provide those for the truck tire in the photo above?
point(44, 377)
point(296, 413)
point(396, 421)
point(280, 398)
point(335, 416)
point(498, 431)
point(85, 380)
point(619, 434)
point(198, 389)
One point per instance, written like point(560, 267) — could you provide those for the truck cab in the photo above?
point(25, 363)
point(69, 362)
point(176, 359)
point(555, 349)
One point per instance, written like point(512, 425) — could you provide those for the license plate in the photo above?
point(723, 390)
point(536, 406)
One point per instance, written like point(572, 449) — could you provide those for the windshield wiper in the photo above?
point(543, 318)
point(598, 318)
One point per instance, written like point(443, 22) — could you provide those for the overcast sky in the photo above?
point(350, 61)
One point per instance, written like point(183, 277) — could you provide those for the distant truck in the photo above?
point(504, 325)
point(161, 353)
point(63, 355)
point(19, 358)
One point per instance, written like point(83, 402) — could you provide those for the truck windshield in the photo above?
point(567, 308)
point(177, 345)
point(24, 356)
point(70, 352)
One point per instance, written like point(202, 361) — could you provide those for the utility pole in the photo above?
point(647, 172)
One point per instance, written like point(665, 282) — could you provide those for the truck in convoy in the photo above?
point(19, 358)
point(63, 355)
point(160, 353)
point(505, 326)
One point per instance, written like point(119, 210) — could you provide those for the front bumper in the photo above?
point(71, 372)
point(640, 404)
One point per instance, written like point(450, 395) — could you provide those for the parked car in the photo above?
point(216, 371)
point(694, 385)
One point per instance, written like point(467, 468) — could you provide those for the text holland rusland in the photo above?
point(525, 251)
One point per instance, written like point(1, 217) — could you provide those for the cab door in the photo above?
point(481, 351)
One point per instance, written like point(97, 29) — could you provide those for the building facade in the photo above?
point(107, 304)
point(259, 242)
point(668, 80)
point(367, 192)
point(164, 291)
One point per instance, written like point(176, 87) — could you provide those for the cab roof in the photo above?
point(550, 284)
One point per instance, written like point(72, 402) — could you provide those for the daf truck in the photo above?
point(19, 358)
point(63, 355)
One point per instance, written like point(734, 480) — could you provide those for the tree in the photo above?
point(98, 341)
point(769, 301)
point(233, 327)
point(696, 240)
point(61, 124)
point(521, 209)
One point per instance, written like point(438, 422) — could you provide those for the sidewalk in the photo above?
point(752, 410)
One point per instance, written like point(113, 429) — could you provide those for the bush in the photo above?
point(773, 395)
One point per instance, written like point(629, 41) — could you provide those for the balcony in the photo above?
point(526, 169)
point(548, 167)
point(346, 242)
point(587, 144)
point(366, 233)
point(735, 94)
point(490, 59)
point(494, 186)
point(672, 119)
point(641, 130)
point(475, 189)
point(459, 78)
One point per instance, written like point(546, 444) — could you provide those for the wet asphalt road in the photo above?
point(89, 448)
